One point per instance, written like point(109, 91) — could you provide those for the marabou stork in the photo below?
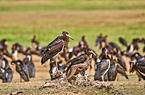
point(29, 62)
point(6, 73)
point(80, 63)
point(55, 47)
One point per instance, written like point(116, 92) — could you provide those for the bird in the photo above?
point(29, 62)
point(79, 63)
point(103, 65)
point(22, 69)
point(4, 47)
point(35, 43)
point(6, 73)
point(139, 67)
point(3, 44)
point(55, 47)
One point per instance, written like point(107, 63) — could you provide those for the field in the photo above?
point(20, 20)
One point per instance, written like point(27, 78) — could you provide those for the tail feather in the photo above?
point(44, 59)
point(122, 72)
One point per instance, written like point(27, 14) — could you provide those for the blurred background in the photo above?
point(21, 19)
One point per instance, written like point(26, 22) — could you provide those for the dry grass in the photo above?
point(131, 86)
point(76, 19)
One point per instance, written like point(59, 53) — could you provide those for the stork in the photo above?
point(55, 47)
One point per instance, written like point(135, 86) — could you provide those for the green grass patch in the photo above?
point(46, 35)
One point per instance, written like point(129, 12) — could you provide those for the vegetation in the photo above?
point(20, 20)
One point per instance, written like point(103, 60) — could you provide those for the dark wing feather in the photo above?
point(122, 71)
point(122, 41)
point(52, 50)
point(22, 69)
point(122, 62)
point(79, 59)
point(26, 60)
point(53, 43)
point(141, 66)
point(115, 46)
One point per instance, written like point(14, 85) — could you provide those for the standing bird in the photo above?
point(29, 62)
point(79, 64)
point(55, 47)
point(6, 73)
point(22, 69)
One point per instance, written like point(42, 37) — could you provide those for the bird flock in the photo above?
point(70, 63)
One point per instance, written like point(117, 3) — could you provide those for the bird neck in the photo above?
point(65, 38)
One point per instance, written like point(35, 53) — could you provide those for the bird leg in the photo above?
point(56, 64)
point(20, 79)
point(103, 78)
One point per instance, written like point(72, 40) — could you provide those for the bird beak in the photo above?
point(69, 36)
point(92, 52)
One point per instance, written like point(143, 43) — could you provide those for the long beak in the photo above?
point(92, 52)
point(70, 37)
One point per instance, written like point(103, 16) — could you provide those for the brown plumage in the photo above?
point(55, 47)
point(80, 63)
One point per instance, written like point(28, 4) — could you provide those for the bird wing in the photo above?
point(79, 59)
point(57, 40)
point(122, 41)
point(122, 71)
point(25, 60)
point(122, 62)
point(141, 66)
point(52, 50)
point(115, 46)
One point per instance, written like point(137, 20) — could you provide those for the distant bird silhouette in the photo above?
point(3, 48)
point(123, 41)
point(6, 73)
point(55, 47)
point(35, 43)
point(28, 61)
point(22, 69)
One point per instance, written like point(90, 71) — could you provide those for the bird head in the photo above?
point(92, 52)
point(105, 51)
point(66, 35)
point(89, 51)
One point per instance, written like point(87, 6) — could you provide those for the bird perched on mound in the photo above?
point(80, 63)
point(55, 47)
